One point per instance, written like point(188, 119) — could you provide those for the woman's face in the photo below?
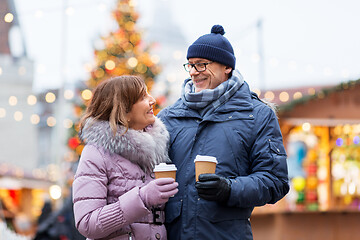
point(142, 114)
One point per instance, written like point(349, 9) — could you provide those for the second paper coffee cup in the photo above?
point(164, 170)
point(204, 164)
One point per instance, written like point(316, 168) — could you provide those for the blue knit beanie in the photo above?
point(213, 46)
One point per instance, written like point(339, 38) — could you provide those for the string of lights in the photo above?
point(272, 62)
point(70, 10)
point(32, 100)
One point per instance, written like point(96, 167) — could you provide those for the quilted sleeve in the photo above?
point(94, 218)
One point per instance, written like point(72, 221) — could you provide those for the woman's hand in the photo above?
point(158, 192)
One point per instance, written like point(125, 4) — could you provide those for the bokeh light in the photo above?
point(2, 112)
point(86, 94)
point(18, 116)
point(284, 96)
point(356, 140)
point(50, 97)
point(269, 95)
point(9, 17)
point(110, 65)
point(55, 192)
point(339, 142)
point(51, 121)
point(34, 119)
point(13, 100)
point(68, 123)
point(31, 100)
point(306, 127)
point(132, 62)
point(297, 95)
point(68, 94)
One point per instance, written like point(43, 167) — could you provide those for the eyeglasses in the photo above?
point(200, 67)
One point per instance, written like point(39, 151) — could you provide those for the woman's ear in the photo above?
point(128, 117)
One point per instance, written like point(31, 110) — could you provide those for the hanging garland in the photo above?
point(319, 95)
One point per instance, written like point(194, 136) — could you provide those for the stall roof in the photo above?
point(336, 104)
point(14, 183)
point(12, 177)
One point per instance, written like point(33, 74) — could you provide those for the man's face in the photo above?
point(213, 76)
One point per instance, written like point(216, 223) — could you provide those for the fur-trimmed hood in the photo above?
point(145, 148)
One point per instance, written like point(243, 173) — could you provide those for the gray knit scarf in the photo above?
point(210, 98)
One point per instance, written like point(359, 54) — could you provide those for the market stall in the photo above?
point(321, 136)
point(22, 196)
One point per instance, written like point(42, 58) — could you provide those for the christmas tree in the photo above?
point(124, 54)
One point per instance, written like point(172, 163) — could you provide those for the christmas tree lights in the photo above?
point(124, 53)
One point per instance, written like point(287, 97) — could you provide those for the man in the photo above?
point(219, 116)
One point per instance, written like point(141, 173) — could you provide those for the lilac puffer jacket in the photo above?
point(111, 171)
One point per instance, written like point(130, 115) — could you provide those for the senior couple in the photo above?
point(114, 192)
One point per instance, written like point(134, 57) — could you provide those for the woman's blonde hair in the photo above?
point(113, 99)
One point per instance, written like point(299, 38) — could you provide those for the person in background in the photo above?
point(45, 211)
point(59, 224)
point(217, 115)
point(114, 193)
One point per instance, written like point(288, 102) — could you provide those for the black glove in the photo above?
point(212, 187)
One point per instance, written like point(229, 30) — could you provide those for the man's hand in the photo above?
point(212, 187)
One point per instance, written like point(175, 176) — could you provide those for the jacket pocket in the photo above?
point(172, 211)
point(279, 165)
point(277, 148)
point(215, 212)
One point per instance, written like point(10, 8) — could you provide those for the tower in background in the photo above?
point(18, 138)
point(171, 47)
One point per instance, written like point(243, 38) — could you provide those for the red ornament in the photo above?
point(312, 169)
point(15, 196)
point(311, 196)
point(73, 143)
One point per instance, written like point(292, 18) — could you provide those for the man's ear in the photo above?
point(228, 69)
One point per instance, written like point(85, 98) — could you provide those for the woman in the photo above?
point(114, 195)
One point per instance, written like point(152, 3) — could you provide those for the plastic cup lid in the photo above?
point(203, 158)
point(165, 167)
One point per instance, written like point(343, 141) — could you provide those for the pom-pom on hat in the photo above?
point(213, 46)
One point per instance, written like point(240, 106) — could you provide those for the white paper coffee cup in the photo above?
point(204, 164)
point(164, 170)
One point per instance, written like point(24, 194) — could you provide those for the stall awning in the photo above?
point(14, 183)
point(320, 121)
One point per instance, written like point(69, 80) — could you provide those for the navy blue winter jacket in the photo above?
point(244, 135)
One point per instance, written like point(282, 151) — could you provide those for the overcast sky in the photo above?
point(304, 42)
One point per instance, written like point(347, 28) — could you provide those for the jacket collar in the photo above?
point(145, 148)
